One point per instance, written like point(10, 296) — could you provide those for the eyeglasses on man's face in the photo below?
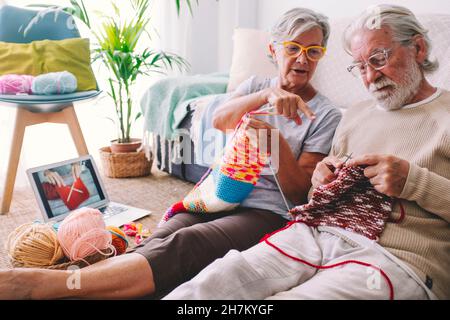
point(294, 50)
point(376, 61)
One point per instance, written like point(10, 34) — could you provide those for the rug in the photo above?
point(156, 193)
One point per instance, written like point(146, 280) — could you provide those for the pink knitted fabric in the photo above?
point(349, 202)
point(15, 83)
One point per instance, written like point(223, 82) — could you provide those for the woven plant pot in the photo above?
point(125, 165)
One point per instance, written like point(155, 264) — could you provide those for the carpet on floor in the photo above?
point(155, 193)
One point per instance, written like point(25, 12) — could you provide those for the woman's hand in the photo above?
point(262, 132)
point(324, 172)
point(76, 171)
point(54, 178)
point(288, 104)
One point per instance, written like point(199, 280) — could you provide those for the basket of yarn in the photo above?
point(81, 240)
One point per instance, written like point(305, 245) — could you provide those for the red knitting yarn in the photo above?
point(119, 239)
point(349, 202)
point(383, 274)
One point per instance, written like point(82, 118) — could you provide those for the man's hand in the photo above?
point(387, 173)
point(324, 172)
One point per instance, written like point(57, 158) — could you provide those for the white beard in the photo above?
point(400, 94)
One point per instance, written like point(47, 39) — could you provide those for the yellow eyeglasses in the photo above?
point(294, 50)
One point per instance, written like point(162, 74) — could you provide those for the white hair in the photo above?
point(402, 92)
point(297, 21)
point(402, 23)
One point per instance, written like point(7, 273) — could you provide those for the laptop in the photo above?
point(63, 187)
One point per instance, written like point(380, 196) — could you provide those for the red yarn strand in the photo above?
point(266, 240)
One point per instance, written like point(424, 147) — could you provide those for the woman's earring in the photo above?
point(273, 59)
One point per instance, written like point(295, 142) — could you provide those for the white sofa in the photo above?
point(250, 57)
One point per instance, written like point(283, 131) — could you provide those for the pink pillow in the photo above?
point(15, 83)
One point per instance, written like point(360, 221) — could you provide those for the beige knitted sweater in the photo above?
point(421, 135)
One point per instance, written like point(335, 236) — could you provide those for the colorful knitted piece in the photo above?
point(227, 183)
point(349, 202)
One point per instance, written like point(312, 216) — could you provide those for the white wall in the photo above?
point(268, 10)
point(217, 20)
point(213, 23)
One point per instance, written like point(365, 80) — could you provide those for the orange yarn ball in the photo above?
point(119, 239)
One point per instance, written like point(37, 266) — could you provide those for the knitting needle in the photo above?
point(278, 185)
point(70, 193)
point(335, 170)
point(267, 108)
point(348, 157)
point(71, 190)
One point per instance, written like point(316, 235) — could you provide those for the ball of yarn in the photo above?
point(54, 83)
point(119, 239)
point(82, 233)
point(33, 245)
point(15, 83)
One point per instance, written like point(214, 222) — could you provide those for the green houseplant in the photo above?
point(117, 43)
point(116, 48)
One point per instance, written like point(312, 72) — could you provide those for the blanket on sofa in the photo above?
point(208, 141)
point(165, 104)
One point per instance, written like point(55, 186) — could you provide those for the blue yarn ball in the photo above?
point(54, 83)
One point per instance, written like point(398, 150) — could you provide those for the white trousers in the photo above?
point(263, 272)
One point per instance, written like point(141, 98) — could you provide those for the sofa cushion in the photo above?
point(251, 56)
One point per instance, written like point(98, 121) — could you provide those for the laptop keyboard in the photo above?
point(111, 210)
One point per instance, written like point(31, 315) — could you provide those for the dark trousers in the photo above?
point(188, 242)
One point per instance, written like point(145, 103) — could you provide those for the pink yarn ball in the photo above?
point(15, 83)
point(83, 233)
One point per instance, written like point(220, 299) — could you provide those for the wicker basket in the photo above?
point(125, 165)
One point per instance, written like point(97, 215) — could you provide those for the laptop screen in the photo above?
point(67, 187)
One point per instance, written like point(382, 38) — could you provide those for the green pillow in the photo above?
point(39, 57)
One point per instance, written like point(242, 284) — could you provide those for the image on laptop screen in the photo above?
point(68, 187)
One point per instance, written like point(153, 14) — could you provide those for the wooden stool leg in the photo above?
point(26, 118)
point(75, 130)
point(14, 157)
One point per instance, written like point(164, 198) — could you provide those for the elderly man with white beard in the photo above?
point(401, 141)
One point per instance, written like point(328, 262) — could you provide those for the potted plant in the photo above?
point(117, 39)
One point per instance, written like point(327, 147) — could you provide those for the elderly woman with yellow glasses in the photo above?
point(304, 121)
